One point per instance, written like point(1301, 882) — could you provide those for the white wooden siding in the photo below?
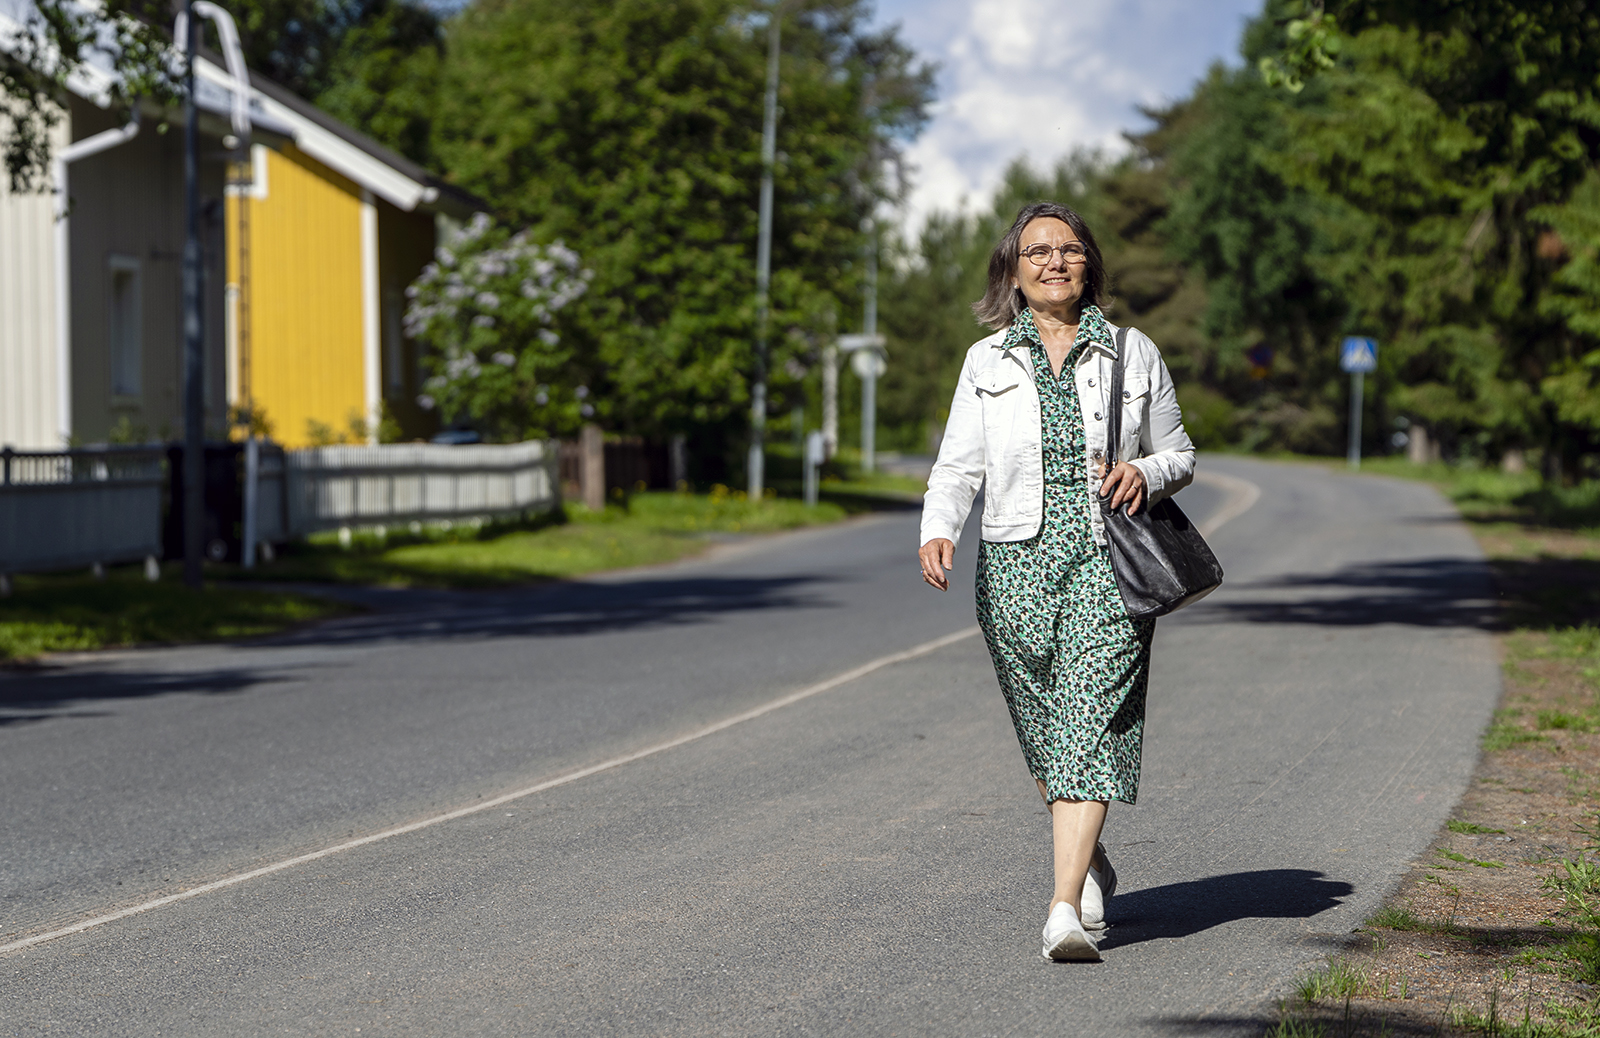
point(28, 392)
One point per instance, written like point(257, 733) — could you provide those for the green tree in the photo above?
point(383, 76)
point(1416, 170)
point(59, 40)
point(631, 130)
point(1441, 132)
point(1572, 246)
point(1253, 239)
point(372, 63)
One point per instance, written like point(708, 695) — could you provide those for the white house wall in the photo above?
point(28, 361)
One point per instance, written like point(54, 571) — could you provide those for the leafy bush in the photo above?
point(1208, 416)
point(487, 309)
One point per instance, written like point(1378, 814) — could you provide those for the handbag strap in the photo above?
point(1114, 409)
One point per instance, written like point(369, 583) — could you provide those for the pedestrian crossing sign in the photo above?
point(1359, 355)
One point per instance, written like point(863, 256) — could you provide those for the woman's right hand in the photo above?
point(937, 556)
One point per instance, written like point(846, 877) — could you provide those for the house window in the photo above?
point(393, 348)
point(126, 328)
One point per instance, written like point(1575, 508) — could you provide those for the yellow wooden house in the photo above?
point(323, 236)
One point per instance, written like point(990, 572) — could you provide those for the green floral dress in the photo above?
point(1072, 664)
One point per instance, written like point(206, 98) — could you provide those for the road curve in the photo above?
point(869, 859)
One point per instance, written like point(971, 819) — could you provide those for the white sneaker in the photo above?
point(1065, 940)
point(1097, 887)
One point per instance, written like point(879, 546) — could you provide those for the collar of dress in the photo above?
point(1092, 330)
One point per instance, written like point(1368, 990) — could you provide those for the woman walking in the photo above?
point(1028, 425)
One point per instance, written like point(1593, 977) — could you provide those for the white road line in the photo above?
point(462, 812)
point(1241, 497)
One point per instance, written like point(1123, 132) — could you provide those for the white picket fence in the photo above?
point(330, 487)
point(62, 509)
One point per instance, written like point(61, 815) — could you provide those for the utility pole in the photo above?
point(869, 328)
point(194, 399)
point(769, 158)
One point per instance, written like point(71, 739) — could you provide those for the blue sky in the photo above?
point(1041, 77)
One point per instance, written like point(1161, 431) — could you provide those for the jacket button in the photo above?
point(1091, 382)
point(1126, 395)
point(1097, 416)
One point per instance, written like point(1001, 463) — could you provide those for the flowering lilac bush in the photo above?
point(487, 311)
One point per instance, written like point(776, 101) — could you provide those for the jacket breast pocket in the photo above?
point(1005, 402)
point(994, 384)
point(1000, 395)
point(1135, 409)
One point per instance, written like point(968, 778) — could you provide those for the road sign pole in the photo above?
point(869, 421)
point(1356, 387)
point(1358, 355)
point(830, 398)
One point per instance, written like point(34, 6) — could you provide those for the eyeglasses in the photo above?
point(1071, 252)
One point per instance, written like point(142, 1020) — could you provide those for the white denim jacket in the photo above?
point(994, 438)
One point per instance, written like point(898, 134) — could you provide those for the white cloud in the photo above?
point(1040, 78)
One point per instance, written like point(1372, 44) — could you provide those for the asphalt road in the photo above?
point(871, 859)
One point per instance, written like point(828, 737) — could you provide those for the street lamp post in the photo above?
point(194, 400)
point(769, 157)
point(870, 365)
point(187, 31)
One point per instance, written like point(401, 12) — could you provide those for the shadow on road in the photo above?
point(548, 611)
point(54, 689)
point(1182, 909)
point(560, 609)
point(1439, 592)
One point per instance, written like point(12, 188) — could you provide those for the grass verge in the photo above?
point(646, 528)
point(1495, 930)
point(63, 613)
point(71, 612)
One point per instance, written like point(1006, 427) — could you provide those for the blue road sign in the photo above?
point(1359, 355)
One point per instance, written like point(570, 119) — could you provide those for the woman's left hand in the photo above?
point(1123, 483)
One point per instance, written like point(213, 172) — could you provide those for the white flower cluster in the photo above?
point(484, 299)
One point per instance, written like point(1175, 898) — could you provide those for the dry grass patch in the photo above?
point(1474, 941)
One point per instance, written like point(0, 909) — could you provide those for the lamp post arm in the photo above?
point(232, 53)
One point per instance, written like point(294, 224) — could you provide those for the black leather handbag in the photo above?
point(1160, 560)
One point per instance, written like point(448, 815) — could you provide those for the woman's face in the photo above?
point(1057, 284)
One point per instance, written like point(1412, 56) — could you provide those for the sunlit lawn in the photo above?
point(648, 528)
point(65, 612)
